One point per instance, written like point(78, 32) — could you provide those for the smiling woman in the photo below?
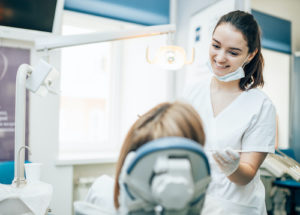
point(237, 117)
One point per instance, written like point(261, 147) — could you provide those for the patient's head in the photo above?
point(166, 119)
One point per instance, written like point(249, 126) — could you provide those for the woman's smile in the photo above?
point(228, 50)
point(220, 66)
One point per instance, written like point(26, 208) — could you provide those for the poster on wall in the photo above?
point(10, 60)
point(201, 27)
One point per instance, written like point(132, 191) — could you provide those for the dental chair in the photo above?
point(165, 176)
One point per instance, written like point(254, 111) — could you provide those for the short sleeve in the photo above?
point(260, 136)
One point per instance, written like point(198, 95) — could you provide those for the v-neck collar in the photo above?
point(224, 109)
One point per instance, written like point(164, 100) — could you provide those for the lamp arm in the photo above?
point(54, 42)
point(193, 57)
point(147, 56)
point(20, 117)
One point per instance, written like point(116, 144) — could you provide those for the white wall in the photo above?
point(185, 10)
point(277, 87)
point(288, 10)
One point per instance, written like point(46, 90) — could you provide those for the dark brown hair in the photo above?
point(247, 25)
point(165, 119)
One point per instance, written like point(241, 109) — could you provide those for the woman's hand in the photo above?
point(239, 168)
point(228, 160)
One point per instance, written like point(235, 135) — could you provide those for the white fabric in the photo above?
point(86, 208)
point(101, 194)
point(235, 75)
point(247, 124)
point(100, 200)
point(35, 195)
point(228, 160)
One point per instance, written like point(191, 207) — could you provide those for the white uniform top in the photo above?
point(247, 124)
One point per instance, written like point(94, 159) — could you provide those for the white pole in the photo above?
point(20, 117)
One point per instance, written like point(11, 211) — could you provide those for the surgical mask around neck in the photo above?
point(236, 75)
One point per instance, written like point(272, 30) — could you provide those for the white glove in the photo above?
point(228, 160)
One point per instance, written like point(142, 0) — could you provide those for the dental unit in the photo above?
point(23, 197)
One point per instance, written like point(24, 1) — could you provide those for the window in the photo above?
point(104, 87)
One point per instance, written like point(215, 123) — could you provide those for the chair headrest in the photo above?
point(172, 172)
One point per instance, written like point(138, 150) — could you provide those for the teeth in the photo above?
point(218, 65)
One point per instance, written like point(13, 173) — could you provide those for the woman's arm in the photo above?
point(249, 164)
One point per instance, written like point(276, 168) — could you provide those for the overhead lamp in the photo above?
point(57, 41)
point(38, 80)
point(170, 57)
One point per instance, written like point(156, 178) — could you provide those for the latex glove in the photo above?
point(228, 160)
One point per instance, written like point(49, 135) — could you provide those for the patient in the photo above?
point(164, 120)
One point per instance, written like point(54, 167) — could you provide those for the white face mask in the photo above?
point(236, 75)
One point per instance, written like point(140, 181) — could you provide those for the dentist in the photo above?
point(239, 119)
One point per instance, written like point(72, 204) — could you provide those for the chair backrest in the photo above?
point(170, 172)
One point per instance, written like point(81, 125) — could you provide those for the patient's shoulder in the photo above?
point(104, 181)
point(101, 192)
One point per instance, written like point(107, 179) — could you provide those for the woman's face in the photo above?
point(228, 49)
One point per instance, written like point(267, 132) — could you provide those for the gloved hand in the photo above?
point(228, 160)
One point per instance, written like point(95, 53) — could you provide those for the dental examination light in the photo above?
point(54, 42)
point(170, 57)
point(38, 80)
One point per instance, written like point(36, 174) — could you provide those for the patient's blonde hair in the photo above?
point(166, 119)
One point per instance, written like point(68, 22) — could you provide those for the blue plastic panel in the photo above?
point(7, 171)
point(145, 12)
point(295, 114)
point(276, 32)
